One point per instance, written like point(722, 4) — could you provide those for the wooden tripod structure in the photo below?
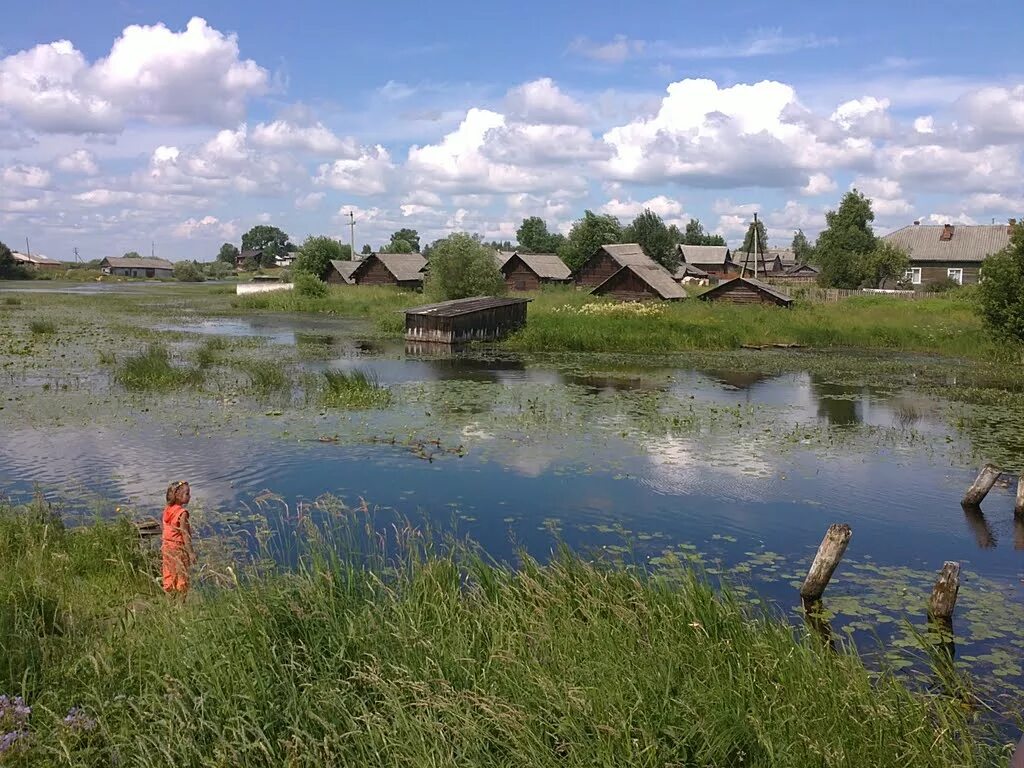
point(756, 250)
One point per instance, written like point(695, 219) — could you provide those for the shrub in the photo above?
point(12, 301)
point(461, 266)
point(188, 272)
point(942, 286)
point(42, 327)
point(316, 254)
point(218, 270)
point(309, 285)
point(1001, 292)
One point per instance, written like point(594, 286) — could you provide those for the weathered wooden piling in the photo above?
point(817, 622)
point(1018, 507)
point(981, 486)
point(943, 600)
point(825, 561)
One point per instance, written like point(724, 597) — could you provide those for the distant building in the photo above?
point(402, 269)
point(35, 261)
point(799, 273)
point(639, 282)
point(747, 290)
point(946, 251)
point(529, 271)
point(687, 273)
point(286, 259)
point(715, 260)
point(254, 254)
point(609, 259)
point(125, 267)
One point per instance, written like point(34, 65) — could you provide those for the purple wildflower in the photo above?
point(8, 740)
point(77, 720)
point(14, 708)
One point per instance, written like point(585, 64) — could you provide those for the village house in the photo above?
point(747, 290)
point(946, 251)
point(254, 254)
point(609, 259)
point(35, 261)
point(130, 267)
point(529, 271)
point(641, 282)
point(714, 260)
point(406, 270)
point(799, 273)
point(341, 272)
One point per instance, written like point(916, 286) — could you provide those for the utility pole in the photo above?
point(152, 249)
point(352, 233)
point(78, 258)
point(757, 245)
point(28, 248)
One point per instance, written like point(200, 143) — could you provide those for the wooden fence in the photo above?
point(832, 295)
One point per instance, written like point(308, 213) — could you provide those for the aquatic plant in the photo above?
point(265, 376)
point(153, 370)
point(354, 389)
point(42, 327)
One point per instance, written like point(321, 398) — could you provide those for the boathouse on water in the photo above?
point(481, 318)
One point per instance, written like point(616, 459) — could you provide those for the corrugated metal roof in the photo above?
point(403, 266)
point(457, 307)
point(115, 261)
point(753, 283)
point(970, 243)
point(545, 265)
point(657, 277)
point(704, 254)
point(345, 268)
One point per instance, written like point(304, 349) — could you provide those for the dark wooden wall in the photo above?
point(519, 277)
point(375, 273)
point(598, 269)
point(626, 286)
point(935, 271)
point(745, 294)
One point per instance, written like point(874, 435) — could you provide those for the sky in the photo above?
point(168, 129)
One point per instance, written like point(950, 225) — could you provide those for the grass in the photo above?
point(430, 658)
point(42, 327)
point(354, 389)
point(265, 376)
point(12, 301)
point(153, 370)
point(381, 304)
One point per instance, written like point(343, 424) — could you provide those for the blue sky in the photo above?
point(128, 123)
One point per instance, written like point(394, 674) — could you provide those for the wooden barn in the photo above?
point(140, 267)
point(481, 318)
point(715, 260)
point(799, 273)
point(529, 271)
point(402, 269)
point(640, 283)
point(341, 272)
point(747, 290)
point(609, 259)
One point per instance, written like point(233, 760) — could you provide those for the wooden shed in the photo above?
point(609, 259)
point(529, 271)
point(687, 273)
point(402, 269)
point(640, 283)
point(800, 273)
point(747, 290)
point(341, 271)
point(481, 318)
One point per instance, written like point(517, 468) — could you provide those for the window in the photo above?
point(956, 274)
point(913, 276)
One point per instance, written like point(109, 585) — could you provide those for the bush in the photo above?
point(944, 285)
point(1001, 292)
point(218, 270)
point(461, 266)
point(309, 285)
point(188, 272)
point(316, 255)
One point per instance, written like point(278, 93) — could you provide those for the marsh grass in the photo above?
point(266, 377)
point(12, 301)
point(105, 357)
point(153, 370)
point(379, 649)
point(42, 327)
point(354, 389)
point(208, 353)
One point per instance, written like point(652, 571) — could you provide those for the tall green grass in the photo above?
point(354, 389)
point(12, 301)
point(265, 376)
point(154, 370)
point(42, 327)
point(381, 651)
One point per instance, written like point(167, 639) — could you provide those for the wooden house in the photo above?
point(715, 260)
point(402, 269)
point(36, 261)
point(341, 272)
point(254, 254)
point(799, 273)
point(637, 282)
point(747, 290)
point(609, 259)
point(140, 267)
point(529, 271)
point(481, 318)
point(947, 251)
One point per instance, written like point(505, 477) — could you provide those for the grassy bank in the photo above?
point(428, 658)
point(382, 304)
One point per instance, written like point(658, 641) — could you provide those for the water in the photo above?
point(602, 459)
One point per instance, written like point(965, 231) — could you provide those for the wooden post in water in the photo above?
point(943, 600)
point(981, 486)
point(825, 562)
point(1018, 508)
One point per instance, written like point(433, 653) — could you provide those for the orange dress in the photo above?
point(174, 549)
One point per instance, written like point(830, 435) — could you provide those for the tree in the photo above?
point(650, 232)
point(1001, 292)
point(802, 250)
point(316, 255)
point(9, 269)
point(409, 236)
point(228, 254)
point(886, 262)
point(397, 246)
point(533, 237)
point(587, 235)
point(695, 235)
point(366, 250)
point(132, 255)
point(271, 240)
point(461, 266)
point(748, 239)
point(188, 272)
point(218, 270)
point(845, 241)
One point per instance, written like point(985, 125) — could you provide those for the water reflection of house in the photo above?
point(739, 379)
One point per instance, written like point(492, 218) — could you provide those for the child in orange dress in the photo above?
point(176, 547)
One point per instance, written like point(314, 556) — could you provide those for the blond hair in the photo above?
point(176, 492)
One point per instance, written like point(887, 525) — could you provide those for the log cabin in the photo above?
point(529, 271)
point(609, 259)
point(402, 269)
point(747, 290)
point(637, 282)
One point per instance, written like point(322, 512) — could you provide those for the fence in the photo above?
point(832, 295)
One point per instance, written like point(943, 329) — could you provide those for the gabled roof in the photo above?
point(688, 270)
point(546, 266)
point(629, 253)
point(345, 268)
point(34, 258)
point(657, 277)
point(121, 263)
point(500, 257)
point(797, 268)
point(456, 307)
point(753, 283)
point(703, 254)
point(254, 252)
point(923, 242)
point(404, 267)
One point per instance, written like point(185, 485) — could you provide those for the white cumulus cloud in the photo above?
point(80, 161)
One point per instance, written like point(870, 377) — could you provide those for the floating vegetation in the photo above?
point(42, 327)
point(208, 353)
point(153, 370)
point(354, 389)
point(265, 376)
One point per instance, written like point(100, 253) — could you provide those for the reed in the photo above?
point(153, 369)
point(354, 389)
point(42, 327)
